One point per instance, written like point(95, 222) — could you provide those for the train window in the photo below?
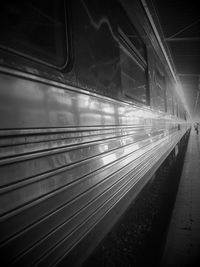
point(133, 69)
point(184, 115)
point(160, 90)
point(175, 107)
point(181, 112)
point(169, 96)
point(34, 29)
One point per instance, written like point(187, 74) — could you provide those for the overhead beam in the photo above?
point(183, 39)
point(189, 74)
point(185, 28)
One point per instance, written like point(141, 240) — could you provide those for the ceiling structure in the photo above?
point(178, 23)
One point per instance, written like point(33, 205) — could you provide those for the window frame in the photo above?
point(44, 62)
point(139, 60)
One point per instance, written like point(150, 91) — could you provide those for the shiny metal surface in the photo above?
point(73, 149)
point(70, 172)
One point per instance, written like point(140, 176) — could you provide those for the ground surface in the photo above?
point(183, 242)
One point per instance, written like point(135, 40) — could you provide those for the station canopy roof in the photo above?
point(178, 23)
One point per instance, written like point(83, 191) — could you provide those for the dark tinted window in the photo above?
point(175, 107)
point(159, 90)
point(170, 108)
point(184, 116)
point(35, 29)
point(133, 68)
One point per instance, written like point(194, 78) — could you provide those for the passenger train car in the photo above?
point(88, 112)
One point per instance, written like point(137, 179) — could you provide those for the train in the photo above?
point(88, 112)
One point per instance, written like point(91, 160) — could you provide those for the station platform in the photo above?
point(182, 247)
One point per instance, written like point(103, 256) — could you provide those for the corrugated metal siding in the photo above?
point(61, 203)
point(58, 183)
